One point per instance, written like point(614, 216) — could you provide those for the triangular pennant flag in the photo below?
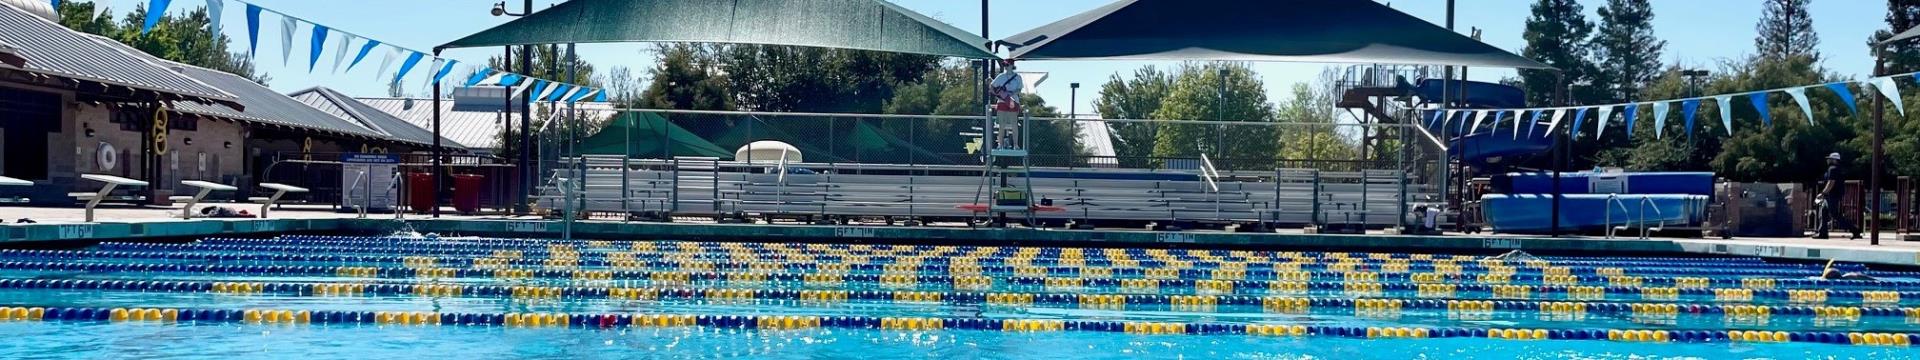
point(1600, 124)
point(444, 70)
point(1892, 92)
point(340, 50)
point(1688, 108)
point(1533, 123)
point(287, 26)
point(215, 8)
point(1660, 118)
point(432, 71)
point(407, 66)
point(1633, 111)
point(1846, 96)
point(253, 29)
point(319, 40)
point(1759, 100)
point(600, 96)
point(557, 92)
point(1726, 111)
point(577, 95)
point(1555, 122)
point(1478, 116)
point(509, 79)
point(533, 92)
point(1579, 118)
point(1446, 119)
point(1433, 117)
point(155, 10)
point(364, 50)
point(1799, 95)
point(387, 63)
point(477, 77)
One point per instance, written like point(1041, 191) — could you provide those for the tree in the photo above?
point(1312, 105)
point(811, 79)
point(1903, 56)
point(1218, 91)
point(683, 80)
point(1136, 98)
point(1556, 35)
point(1785, 30)
point(1625, 51)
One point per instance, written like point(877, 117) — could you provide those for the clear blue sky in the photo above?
point(1699, 33)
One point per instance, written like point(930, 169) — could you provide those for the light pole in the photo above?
point(1693, 80)
point(525, 179)
point(1073, 100)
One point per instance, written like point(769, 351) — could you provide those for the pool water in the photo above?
point(334, 297)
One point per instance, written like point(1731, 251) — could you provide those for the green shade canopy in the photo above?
point(845, 24)
point(643, 135)
point(1327, 31)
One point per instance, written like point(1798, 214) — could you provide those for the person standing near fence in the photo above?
point(1830, 200)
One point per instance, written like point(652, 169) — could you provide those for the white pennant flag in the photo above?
point(1555, 123)
point(1477, 117)
point(1887, 89)
point(1726, 111)
point(215, 8)
point(1600, 126)
point(1799, 95)
point(383, 75)
point(1659, 118)
point(1517, 116)
point(1447, 119)
point(287, 26)
point(340, 53)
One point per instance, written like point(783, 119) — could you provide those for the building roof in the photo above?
point(333, 102)
point(471, 117)
point(263, 105)
point(1327, 31)
point(58, 51)
point(846, 24)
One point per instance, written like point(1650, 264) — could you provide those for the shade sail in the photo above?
point(1902, 36)
point(1331, 31)
point(845, 24)
point(644, 135)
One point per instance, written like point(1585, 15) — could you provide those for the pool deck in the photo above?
point(120, 224)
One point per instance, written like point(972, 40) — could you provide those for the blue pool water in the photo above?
point(339, 297)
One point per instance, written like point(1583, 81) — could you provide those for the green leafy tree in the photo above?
point(1785, 30)
point(1218, 91)
point(1557, 33)
point(1133, 98)
point(1626, 52)
point(1301, 146)
point(1902, 56)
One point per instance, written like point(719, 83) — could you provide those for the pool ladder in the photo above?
point(1641, 222)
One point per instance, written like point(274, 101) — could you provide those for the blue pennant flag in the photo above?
point(314, 49)
point(479, 76)
point(1633, 110)
point(600, 97)
point(444, 70)
point(1433, 117)
point(364, 50)
point(407, 66)
point(558, 92)
point(1687, 109)
point(510, 79)
point(215, 8)
point(1531, 124)
point(1497, 116)
point(1760, 105)
point(1846, 96)
point(155, 10)
point(253, 29)
point(1579, 117)
point(56, 4)
point(538, 85)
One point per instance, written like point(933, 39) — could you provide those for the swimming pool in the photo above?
point(324, 296)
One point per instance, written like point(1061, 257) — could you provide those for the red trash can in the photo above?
point(466, 193)
point(420, 192)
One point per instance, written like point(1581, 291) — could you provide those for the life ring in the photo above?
point(106, 156)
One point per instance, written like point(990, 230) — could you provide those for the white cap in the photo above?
point(1833, 156)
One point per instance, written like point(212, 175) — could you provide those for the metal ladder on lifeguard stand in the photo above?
point(1006, 198)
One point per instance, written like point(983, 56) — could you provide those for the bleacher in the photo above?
point(705, 187)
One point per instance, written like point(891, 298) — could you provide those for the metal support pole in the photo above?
point(529, 173)
point(1560, 144)
point(1873, 179)
point(438, 152)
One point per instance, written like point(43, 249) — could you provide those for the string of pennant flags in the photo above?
point(1469, 121)
point(535, 89)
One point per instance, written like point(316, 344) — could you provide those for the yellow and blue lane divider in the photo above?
point(935, 264)
point(285, 317)
point(1205, 303)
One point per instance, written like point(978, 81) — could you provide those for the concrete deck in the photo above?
point(120, 224)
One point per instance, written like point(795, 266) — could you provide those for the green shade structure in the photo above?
point(642, 135)
point(844, 24)
point(1326, 31)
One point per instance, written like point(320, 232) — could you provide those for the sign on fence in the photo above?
point(368, 180)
